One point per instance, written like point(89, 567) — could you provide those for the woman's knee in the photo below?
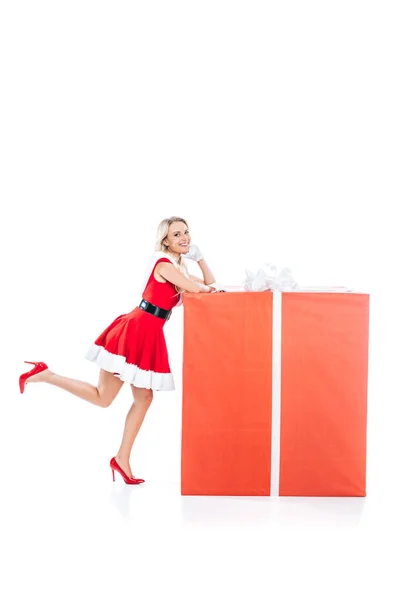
point(106, 399)
point(108, 388)
point(106, 402)
point(143, 395)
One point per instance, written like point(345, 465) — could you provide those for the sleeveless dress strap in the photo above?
point(151, 264)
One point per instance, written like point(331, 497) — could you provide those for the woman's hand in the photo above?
point(194, 253)
point(206, 289)
point(213, 290)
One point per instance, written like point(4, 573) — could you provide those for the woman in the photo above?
point(132, 349)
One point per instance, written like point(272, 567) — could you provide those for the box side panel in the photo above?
point(226, 405)
point(324, 394)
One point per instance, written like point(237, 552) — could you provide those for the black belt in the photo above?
point(155, 310)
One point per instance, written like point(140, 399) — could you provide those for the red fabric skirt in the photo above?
point(133, 348)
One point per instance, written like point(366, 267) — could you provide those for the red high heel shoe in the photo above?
point(115, 467)
point(38, 368)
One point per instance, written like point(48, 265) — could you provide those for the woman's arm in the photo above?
point(194, 278)
point(173, 275)
point(207, 273)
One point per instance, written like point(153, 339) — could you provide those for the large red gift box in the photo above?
point(275, 394)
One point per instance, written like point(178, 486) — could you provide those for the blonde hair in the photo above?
point(162, 232)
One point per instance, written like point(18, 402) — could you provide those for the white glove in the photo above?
point(217, 286)
point(194, 253)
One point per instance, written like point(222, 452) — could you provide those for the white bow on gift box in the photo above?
point(268, 277)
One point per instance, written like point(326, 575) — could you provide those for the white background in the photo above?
point(273, 128)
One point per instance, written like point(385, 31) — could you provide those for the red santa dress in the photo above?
point(133, 346)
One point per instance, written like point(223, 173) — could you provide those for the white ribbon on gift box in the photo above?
point(276, 392)
point(269, 278)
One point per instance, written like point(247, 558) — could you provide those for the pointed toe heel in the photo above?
point(38, 368)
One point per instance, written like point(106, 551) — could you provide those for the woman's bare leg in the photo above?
point(134, 419)
point(102, 395)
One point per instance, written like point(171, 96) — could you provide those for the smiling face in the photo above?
point(178, 238)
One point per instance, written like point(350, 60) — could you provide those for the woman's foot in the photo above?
point(43, 376)
point(40, 372)
point(125, 466)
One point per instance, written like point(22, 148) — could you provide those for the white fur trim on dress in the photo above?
point(115, 363)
